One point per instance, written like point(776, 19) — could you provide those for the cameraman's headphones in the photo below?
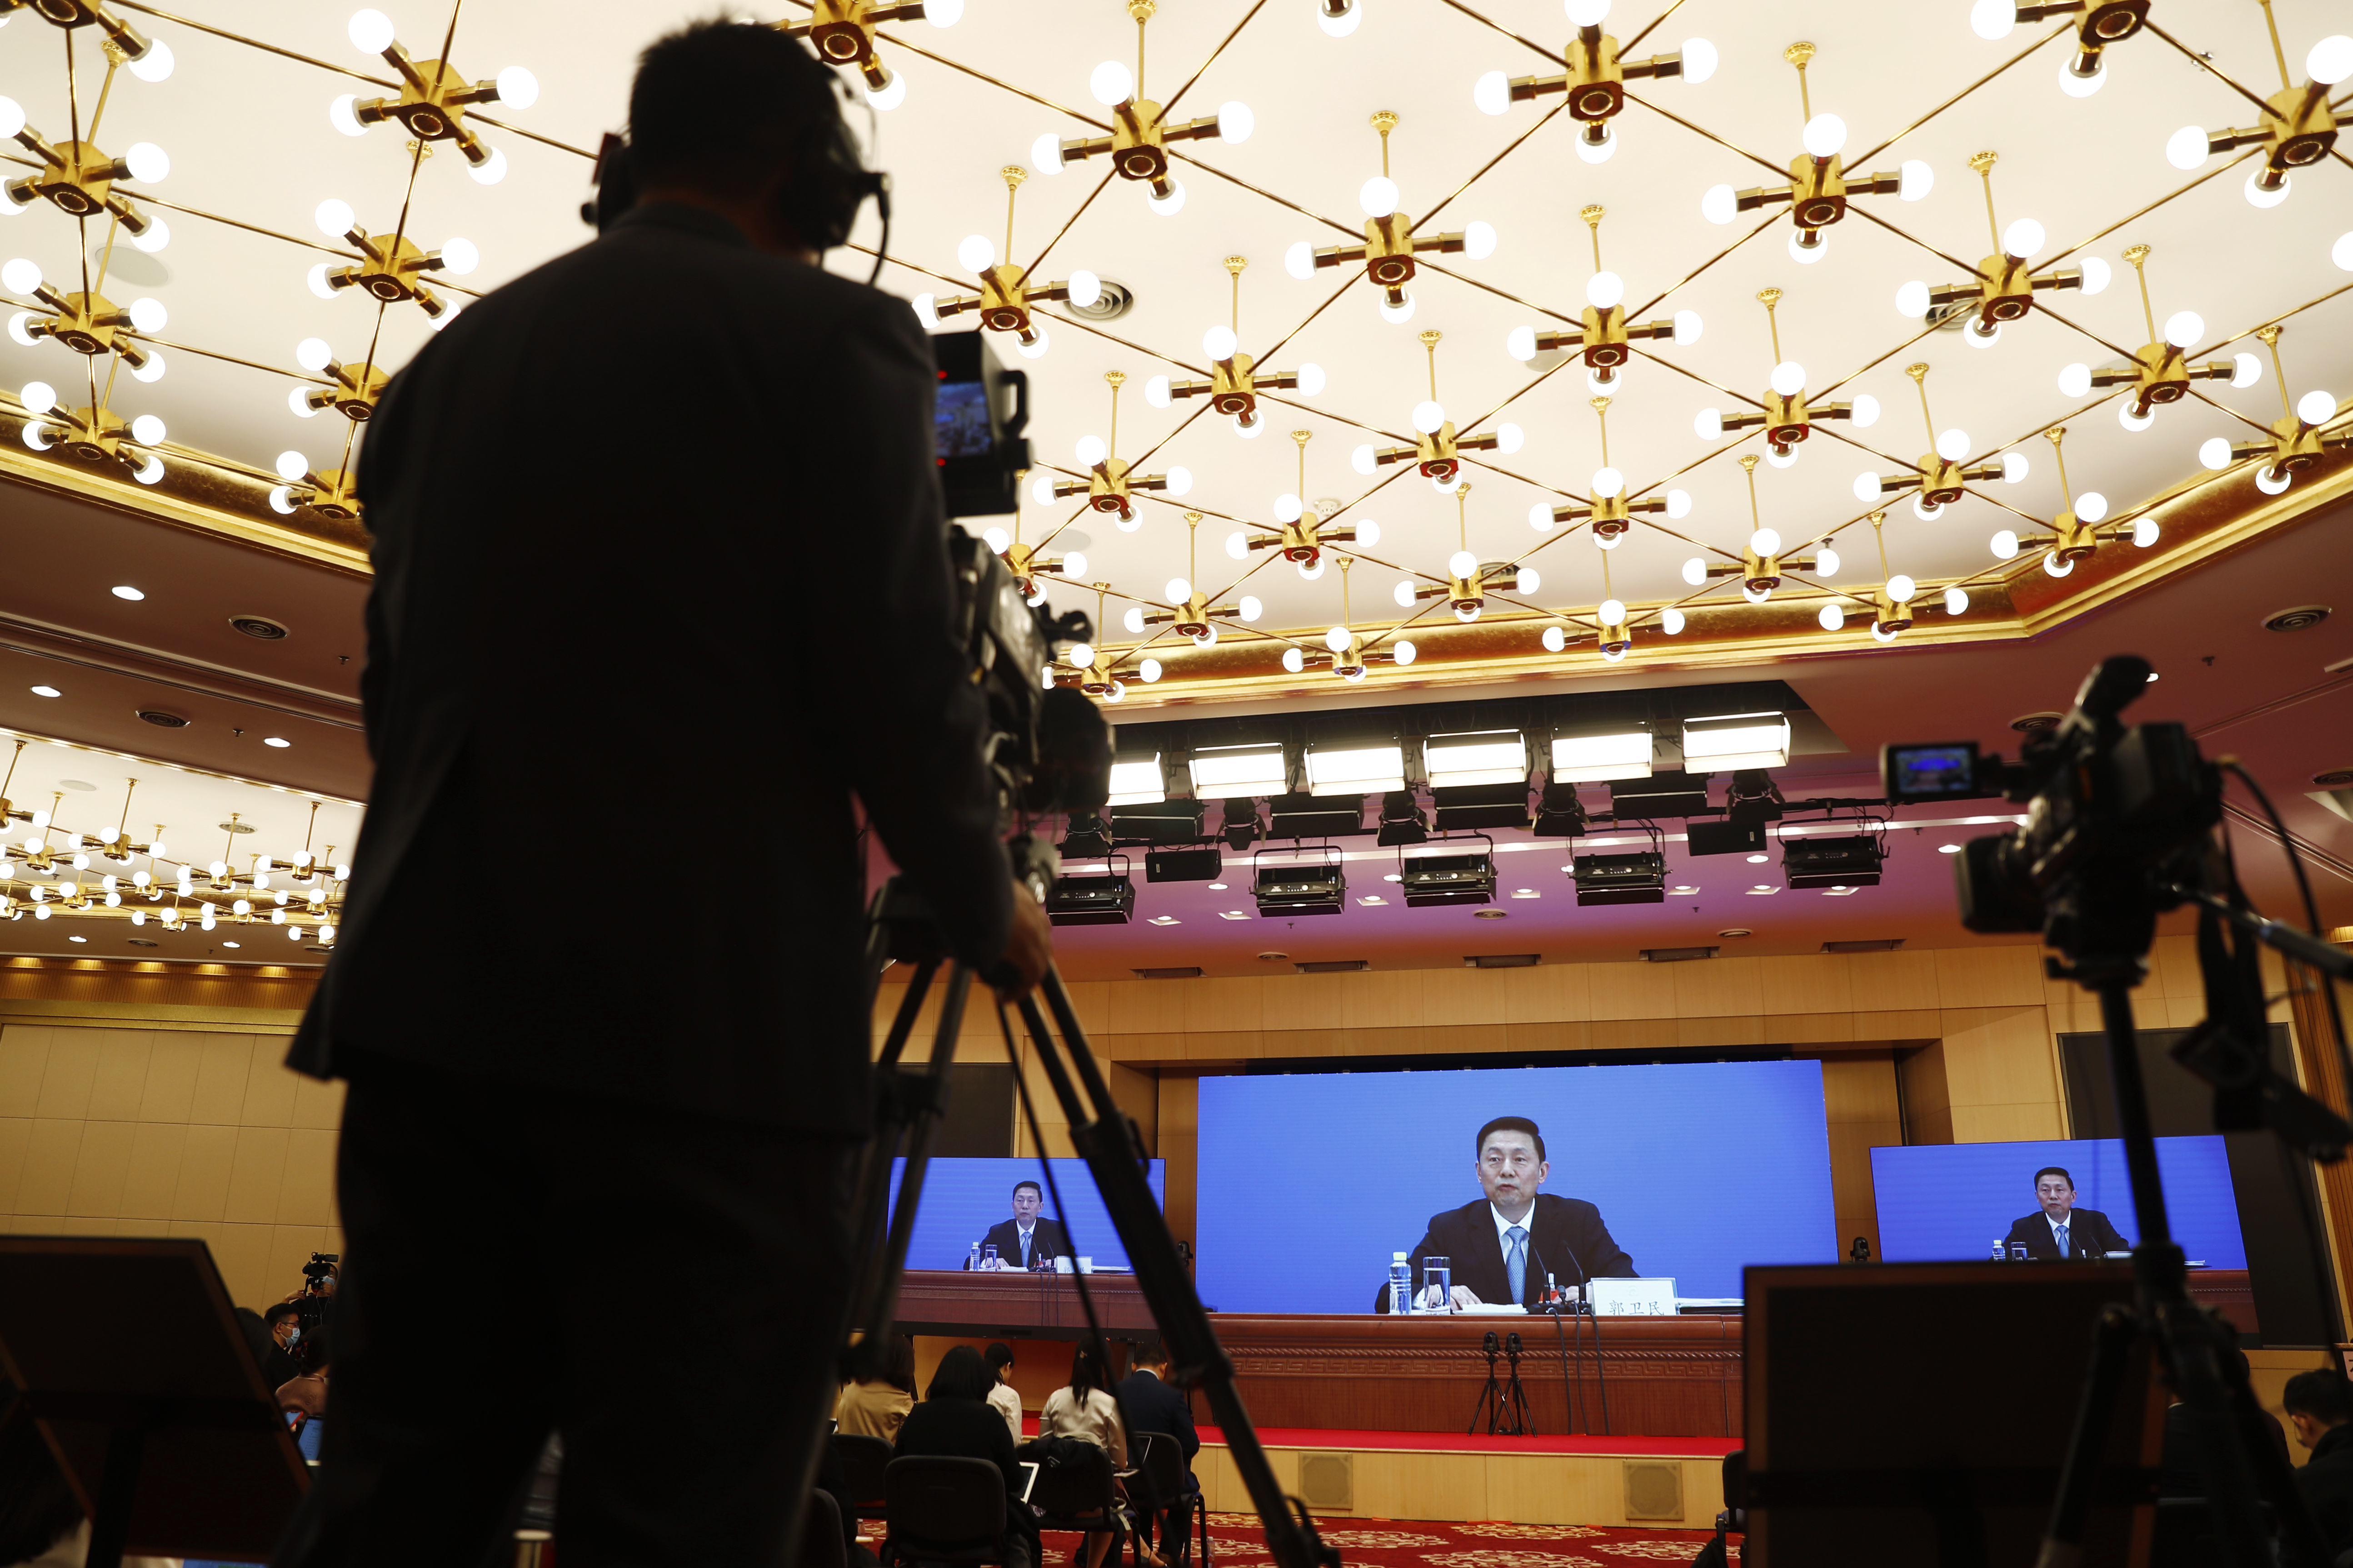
point(829, 183)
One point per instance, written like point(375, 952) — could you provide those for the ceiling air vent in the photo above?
point(1115, 300)
point(162, 720)
point(1677, 954)
point(261, 627)
point(1876, 944)
point(1191, 972)
point(2029, 724)
point(1334, 965)
point(2296, 619)
point(2335, 778)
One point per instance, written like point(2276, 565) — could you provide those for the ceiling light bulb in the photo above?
point(1180, 481)
point(1179, 590)
point(1824, 135)
point(1378, 196)
point(1608, 482)
point(2270, 480)
point(1688, 327)
point(1074, 566)
point(1914, 180)
point(1429, 416)
point(1585, 13)
point(1901, 588)
point(1035, 347)
point(1806, 254)
point(1788, 378)
point(494, 169)
point(22, 275)
point(2186, 148)
point(148, 314)
point(1149, 670)
point(2022, 238)
point(1700, 60)
point(1403, 593)
point(1598, 151)
point(1696, 570)
point(371, 32)
point(1219, 343)
point(2131, 421)
point(1765, 543)
point(1708, 424)
point(1250, 608)
point(2215, 452)
point(1091, 450)
point(1540, 517)
point(1463, 565)
point(1826, 561)
point(1993, 19)
point(976, 253)
point(1956, 601)
point(16, 329)
point(147, 430)
point(1082, 656)
point(1832, 617)
point(1953, 446)
point(2055, 567)
point(334, 218)
point(518, 89)
point(1604, 289)
point(2076, 86)
point(1300, 259)
point(1175, 203)
point(1045, 154)
point(2246, 370)
point(2259, 197)
point(459, 256)
point(1720, 203)
point(1085, 289)
point(1110, 84)
point(155, 65)
point(152, 370)
point(2075, 380)
point(292, 465)
point(146, 163)
point(2331, 60)
point(1479, 240)
point(2316, 407)
point(1491, 93)
point(2091, 507)
point(1610, 611)
point(1670, 621)
point(1336, 639)
point(997, 540)
point(2144, 533)
point(1912, 299)
point(1287, 508)
point(1781, 456)
point(1311, 379)
point(1509, 438)
point(1554, 639)
point(1294, 660)
point(2004, 545)
point(1235, 123)
point(317, 278)
point(340, 115)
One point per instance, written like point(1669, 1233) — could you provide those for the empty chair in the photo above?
point(822, 1546)
point(862, 1461)
point(944, 1510)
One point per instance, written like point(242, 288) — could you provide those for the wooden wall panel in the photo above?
point(1859, 1098)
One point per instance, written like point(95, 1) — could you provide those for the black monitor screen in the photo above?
point(960, 420)
point(1933, 773)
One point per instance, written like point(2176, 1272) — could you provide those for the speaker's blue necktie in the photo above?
point(1025, 1247)
point(2061, 1232)
point(1517, 1265)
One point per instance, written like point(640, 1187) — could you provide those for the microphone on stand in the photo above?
point(1587, 1308)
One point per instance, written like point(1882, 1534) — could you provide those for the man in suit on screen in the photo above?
point(1502, 1247)
point(2059, 1230)
point(1028, 1235)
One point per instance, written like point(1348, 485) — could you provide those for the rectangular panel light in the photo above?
point(1492, 757)
point(1736, 741)
point(1232, 771)
point(1361, 770)
point(1138, 783)
point(1597, 759)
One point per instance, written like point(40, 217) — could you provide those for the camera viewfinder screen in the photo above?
point(960, 420)
point(1931, 773)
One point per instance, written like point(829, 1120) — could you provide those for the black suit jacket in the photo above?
point(612, 504)
point(1049, 1240)
point(2089, 1234)
point(1153, 1406)
point(1566, 1239)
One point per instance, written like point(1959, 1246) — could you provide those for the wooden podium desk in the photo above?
point(1014, 1304)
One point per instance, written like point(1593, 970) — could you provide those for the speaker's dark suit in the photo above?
point(1566, 1238)
point(1047, 1240)
point(610, 643)
point(2089, 1234)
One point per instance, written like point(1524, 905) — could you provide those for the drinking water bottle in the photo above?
point(1400, 1283)
point(2001, 1249)
point(973, 1265)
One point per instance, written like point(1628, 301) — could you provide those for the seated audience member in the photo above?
point(1086, 1411)
point(955, 1420)
point(2321, 1405)
point(1152, 1405)
point(1002, 1397)
point(873, 1407)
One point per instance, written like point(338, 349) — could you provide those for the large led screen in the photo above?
point(963, 1199)
point(1939, 1203)
point(1308, 1181)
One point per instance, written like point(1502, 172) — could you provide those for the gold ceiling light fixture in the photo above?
point(1603, 341)
point(2100, 24)
point(2075, 532)
point(1345, 649)
point(842, 33)
point(1595, 81)
point(1761, 565)
point(391, 268)
point(1303, 538)
point(76, 176)
point(2003, 289)
point(153, 55)
point(1092, 666)
point(332, 493)
point(1027, 563)
point(1190, 611)
point(2297, 127)
point(1943, 473)
point(2160, 372)
point(1611, 513)
point(351, 390)
point(1891, 602)
point(1235, 381)
point(1819, 187)
point(93, 433)
point(1438, 449)
point(1005, 293)
point(433, 99)
point(1390, 244)
point(1786, 418)
point(2296, 440)
point(85, 319)
point(1141, 133)
point(1468, 579)
point(1110, 486)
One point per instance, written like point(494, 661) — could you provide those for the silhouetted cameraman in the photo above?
point(661, 589)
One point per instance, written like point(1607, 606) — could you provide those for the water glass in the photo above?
point(1438, 1278)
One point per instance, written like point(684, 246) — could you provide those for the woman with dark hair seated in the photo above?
point(873, 1407)
point(955, 1420)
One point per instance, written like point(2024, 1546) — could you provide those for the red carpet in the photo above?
point(1457, 1442)
point(1235, 1538)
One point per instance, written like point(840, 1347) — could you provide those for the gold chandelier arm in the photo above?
point(1170, 104)
point(992, 81)
point(2124, 353)
point(250, 42)
point(1039, 261)
point(2203, 63)
point(1656, 300)
point(1780, 171)
point(1636, 41)
point(1902, 233)
point(1552, 57)
point(1430, 266)
point(1862, 158)
point(2139, 214)
point(2269, 434)
point(1349, 229)
point(1513, 146)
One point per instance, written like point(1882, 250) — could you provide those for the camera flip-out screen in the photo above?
point(1943, 770)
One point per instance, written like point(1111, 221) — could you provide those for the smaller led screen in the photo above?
point(1941, 1202)
point(964, 1200)
point(960, 420)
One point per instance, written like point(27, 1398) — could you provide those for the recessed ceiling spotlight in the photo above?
point(140, 941)
point(1758, 859)
point(1233, 914)
point(1217, 887)
point(77, 939)
point(1392, 876)
point(1489, 915)
point(1274, 958)
point(1949, 849)
point(1372, 900)
point(1736, 931)
point(232, 945)
point(274, 740)
point(47, 692)
point(1156, 919)
point(1683, 890)
point(125, 590)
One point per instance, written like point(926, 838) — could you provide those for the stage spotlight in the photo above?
point(1562, 814)
point(1097, 900)
point(1664, 794)
point(1138, 781)
point(1310, 816)
point(1402, 821)
point(1593, 755)
point(1738, 741)
point(1300, 887)
point(1841, 862)
point(1621, 878)
point(1089, 838)
point(1431, 881)
point(1198, 865)
point(1251, 769)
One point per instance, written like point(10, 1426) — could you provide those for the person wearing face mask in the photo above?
point(1501, 1245)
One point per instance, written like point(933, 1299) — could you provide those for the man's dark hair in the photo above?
point(2322, 1393)
point(282, 1310)
point(1152, 1353)
point(1508, 1125)
point(2058, 1171)
point(999, 1355)
point(1032, 1186)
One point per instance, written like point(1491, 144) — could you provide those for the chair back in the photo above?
point(862, 1460)
point(821, 1542)
point(942, 1501)
point(1079, 1486)
point(1161, 1465)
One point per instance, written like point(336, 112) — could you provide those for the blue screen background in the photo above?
point(962, 1198)
point(1943, 1202)
point(1309, 1181)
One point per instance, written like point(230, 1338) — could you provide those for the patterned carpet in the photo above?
point(1235, 1538)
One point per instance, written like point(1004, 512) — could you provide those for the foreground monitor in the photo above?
point(1309, 1182)
point(964, 1199)
point(1951, 1202)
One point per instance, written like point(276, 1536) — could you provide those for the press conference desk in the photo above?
point(1011, 1304)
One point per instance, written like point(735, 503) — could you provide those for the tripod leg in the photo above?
point(2111, 1340)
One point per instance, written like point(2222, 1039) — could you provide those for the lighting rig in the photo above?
point(2003, 289)
point(1344, 649)
point(842, 33)
point(2075, 532)
point(2159, 373)
point(1610, 513)
point(77, 177)
point(391, 268)
point(1596, 79)
point(1467, 578)
point(1190, 613)
point(1614, 639)
point(86, 320)
point(1819, 188)
point(2104, 22)
point(433, 101)
point(2297, 127)
point(1943, 473)
point(1109, 487)
point(1235, 381)
point(1026, 561)
point(1390, 244)
point(1303, 538)
point(1140, 133)
point(1604, 341)
point(331, 493)
point(93, 434)
point(1761, 565)
point(351, 390)
point(1437, 450)
point(2296, 440)
point(1785, 417)
point(1005, 293)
